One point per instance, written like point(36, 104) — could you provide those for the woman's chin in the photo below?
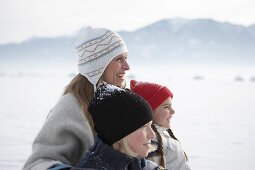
point(121, 83)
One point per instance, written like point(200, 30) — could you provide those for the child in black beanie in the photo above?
point(122, 121)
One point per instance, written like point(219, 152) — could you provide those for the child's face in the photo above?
point(139, 141)
point(163, 113)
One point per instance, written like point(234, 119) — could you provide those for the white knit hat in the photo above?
point(96, 48)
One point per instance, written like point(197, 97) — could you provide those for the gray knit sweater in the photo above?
point(64, 138)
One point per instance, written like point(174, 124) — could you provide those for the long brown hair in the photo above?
point(83, 90)
point(160, 148)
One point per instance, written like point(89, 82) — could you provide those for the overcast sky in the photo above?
point(23, 19)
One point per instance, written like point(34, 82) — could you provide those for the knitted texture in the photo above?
point(96, 47)
point(153, 93)
point(117, 112)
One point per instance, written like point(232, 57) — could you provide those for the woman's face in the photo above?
point(139, 141)
point(163, 113)
point(115, 71)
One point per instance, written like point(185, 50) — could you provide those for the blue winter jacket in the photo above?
point(103, 157)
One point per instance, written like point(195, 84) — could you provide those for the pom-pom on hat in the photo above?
point(153, 93)
point(96, 47)
point(117, 112)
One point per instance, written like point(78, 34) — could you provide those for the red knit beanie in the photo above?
point(153, 93)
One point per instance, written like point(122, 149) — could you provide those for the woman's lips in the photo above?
point(121, 75)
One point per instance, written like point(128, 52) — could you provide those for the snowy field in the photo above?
point(214, 119)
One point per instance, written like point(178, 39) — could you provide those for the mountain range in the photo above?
point(168, 41)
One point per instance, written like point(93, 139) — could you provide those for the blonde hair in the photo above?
point(83, 90)
point(117, 145)
point(123, 147)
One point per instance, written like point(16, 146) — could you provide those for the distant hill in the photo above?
point(173, 41)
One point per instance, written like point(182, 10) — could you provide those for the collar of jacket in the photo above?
point(160, 128)
point(115, 158)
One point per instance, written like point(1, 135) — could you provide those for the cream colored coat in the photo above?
point(173, 152)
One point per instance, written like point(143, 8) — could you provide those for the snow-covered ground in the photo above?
point(214, 119)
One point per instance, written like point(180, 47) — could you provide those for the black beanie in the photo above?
point(117, 112)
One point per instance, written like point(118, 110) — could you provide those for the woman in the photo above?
point(122, 120)
point(67, 134)
point(169, 153)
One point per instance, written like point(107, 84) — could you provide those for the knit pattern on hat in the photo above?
point(153, 93)
point(117, 112)
point(96, 47)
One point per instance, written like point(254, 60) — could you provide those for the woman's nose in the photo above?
point(126, 65)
